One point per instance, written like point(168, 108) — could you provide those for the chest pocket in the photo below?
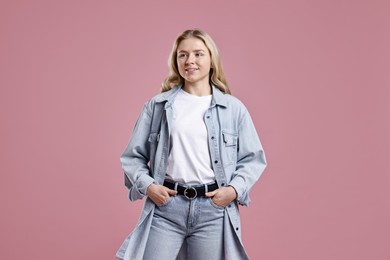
point(231, 145)
point(154, 137)
point(153, 143)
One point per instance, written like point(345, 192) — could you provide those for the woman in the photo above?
point(194, 154)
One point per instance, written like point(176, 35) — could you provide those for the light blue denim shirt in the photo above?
point(237, 158)
point(236, 152)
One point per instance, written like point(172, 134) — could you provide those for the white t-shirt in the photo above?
point(189, 157)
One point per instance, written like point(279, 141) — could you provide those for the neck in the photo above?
point(197, 89)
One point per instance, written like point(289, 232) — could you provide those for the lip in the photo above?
point(190, 69)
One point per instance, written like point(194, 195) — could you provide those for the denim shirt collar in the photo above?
point(169, 96)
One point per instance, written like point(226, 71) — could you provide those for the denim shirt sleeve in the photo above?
point(251, 160)
point(136, 156)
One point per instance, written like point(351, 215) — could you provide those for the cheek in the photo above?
point(180, 69)
point(180, 65)
point(207, 63)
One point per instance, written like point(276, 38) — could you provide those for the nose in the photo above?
point(190, 58)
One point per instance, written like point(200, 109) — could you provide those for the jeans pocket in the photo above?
point(167, 203)
point(215, 205)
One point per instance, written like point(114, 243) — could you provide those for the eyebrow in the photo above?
point(198, 50)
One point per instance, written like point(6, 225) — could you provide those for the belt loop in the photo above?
point(176, 184)
point(206, 188)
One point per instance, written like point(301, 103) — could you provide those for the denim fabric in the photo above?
point(236, 153)
point(197, 223)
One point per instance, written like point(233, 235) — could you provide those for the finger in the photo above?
point(211, 193)
point(171, 192)
point(162, 200)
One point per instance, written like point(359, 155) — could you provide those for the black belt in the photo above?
point(191, 192)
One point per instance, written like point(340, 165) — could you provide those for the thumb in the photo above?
point(172, 192)
point(211, 193)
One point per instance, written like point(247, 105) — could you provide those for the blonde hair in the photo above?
point(217, 77)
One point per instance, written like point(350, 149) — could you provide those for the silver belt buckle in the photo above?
point(190, 193)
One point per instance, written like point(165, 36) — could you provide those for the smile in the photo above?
point(190, 69)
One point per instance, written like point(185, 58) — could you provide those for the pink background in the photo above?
point(314, 74)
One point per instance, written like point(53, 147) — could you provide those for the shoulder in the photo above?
point(234, 101)
point(227, 100)
point(161, 98)
point(232, 104)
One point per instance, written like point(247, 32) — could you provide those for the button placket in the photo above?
point(213, 146)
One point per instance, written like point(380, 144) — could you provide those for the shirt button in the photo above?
point(222, 184)
point(237, 228)
point(215, 161)
point(212, 137)
point(207, 116)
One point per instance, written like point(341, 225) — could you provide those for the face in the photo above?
point(194, 62)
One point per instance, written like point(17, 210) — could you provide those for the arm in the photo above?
point(136, 156)
point(251, 160)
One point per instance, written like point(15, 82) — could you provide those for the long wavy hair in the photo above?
point(217, 77)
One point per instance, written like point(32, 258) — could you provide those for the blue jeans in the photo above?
point(196, 224)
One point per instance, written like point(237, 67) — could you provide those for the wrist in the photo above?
point(234, 190)
point(148, 189)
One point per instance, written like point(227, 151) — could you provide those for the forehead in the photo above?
point(191, 44)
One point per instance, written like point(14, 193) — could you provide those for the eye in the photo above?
point(199, 54)
point(181, 55)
